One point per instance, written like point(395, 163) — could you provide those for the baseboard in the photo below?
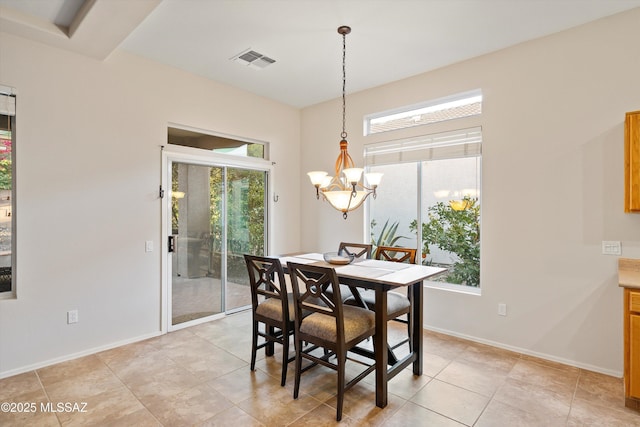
point(67, 357)
point(613, 373)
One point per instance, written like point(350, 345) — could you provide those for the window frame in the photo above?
point(8, 108)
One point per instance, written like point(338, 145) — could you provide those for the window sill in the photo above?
point(469, 290)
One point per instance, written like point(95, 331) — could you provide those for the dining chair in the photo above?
point(398, 305)
point(359, 250)
point(272, 306)
point(328, 324)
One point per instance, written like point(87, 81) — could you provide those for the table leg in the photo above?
point(380, 347)
point(417, 292)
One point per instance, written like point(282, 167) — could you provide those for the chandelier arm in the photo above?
point(344, 161)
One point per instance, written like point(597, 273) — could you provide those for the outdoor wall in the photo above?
point(552, 188)
point(88, 172)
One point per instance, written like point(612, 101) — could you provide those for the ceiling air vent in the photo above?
point(253, 59)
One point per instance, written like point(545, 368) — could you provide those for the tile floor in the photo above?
point(199, 376)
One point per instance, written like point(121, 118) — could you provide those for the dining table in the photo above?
point(382, 277)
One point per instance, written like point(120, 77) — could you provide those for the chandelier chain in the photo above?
point(344, 85)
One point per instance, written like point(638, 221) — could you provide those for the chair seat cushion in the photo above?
point(395, 302)
point(272, 308)
point(357, 321)
point(345, 292)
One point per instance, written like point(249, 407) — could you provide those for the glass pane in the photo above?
point(394, 210)
point(197, 230)
point(245, 230)
point(451, 218)
point(7, 123)
point(215, 143)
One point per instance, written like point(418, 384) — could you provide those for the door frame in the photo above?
point(174, 153)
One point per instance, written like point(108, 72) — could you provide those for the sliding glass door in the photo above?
point(217, 214)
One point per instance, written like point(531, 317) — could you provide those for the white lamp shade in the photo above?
point(373, 178)
point(353, 174)
point(344, 201)
point(317, 177)
point(326, 181)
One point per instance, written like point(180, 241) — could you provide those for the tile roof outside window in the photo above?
point(454, 107)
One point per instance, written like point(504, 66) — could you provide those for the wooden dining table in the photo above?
point(381, 277)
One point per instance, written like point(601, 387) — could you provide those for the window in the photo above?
point(452, 107)
point(431, 184)
point(7, 199)
point(216, 143)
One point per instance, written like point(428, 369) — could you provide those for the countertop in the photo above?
point(629, 273)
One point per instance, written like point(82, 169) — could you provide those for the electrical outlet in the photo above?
point(502, 309)
point(72, 316)
point(611, 247)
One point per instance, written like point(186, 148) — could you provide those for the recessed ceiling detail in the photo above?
point(253, 59)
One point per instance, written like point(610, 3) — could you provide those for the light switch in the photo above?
point(148, 246)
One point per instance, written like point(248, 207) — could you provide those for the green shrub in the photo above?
point(455, 227)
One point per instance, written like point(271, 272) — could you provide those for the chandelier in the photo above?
point(344, 191)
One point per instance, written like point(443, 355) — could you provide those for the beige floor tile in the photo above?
point(360, 404)
point(498, 414)
point(482, 379)
point(444, 346)
point(272, 366)
point(141, 367)
point(534, 398)
point(451, 401)
point(211, 364)
point(66, 385)
point(278, 408)
point(19, 384)
point(433, 364)
point(26, 419)
point(415, 415)
point(325, 416)
point(162, 384)
point(243, 384)
point(72, 368)
point(586, 414)
point(600, 389)
point(406, 384)
point(123, 355)
point(192, 406)
point(492, 357)
point(548, 375)
point(233, 416)
point(550, 364)
point(111, 407)
point(238, 343)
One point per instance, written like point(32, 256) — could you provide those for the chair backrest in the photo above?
point(266, 278)
point(359, 250)
point(396, 254)
point(312, 293)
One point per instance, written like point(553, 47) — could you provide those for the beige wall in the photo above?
point(552, 188)
point(88, 170)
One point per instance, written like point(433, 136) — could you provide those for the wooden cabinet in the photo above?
point(632, 348)
point(632, 162)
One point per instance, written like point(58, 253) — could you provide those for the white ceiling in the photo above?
point(390, 39)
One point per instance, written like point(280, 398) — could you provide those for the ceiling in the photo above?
point(390, 39)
